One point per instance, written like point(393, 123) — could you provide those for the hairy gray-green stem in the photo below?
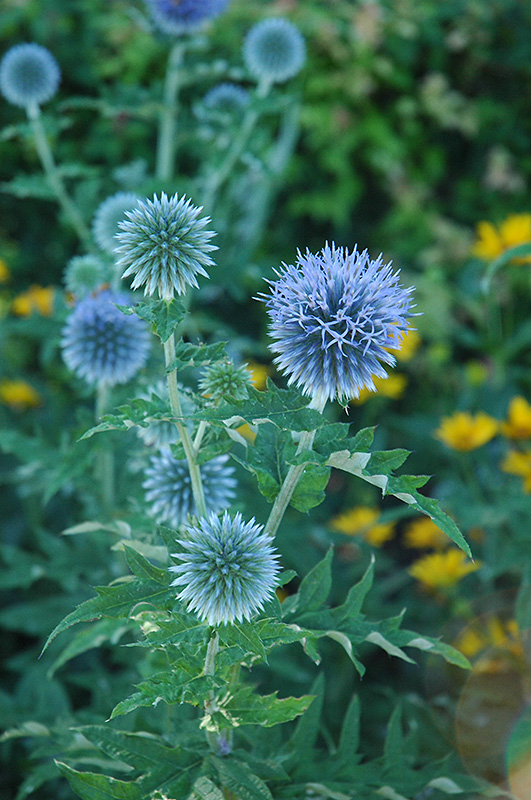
point(166, 146)
point(105, 462)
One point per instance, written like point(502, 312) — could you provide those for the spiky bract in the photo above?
point(229, 569)
point(108, 215)
point(169, 488)
point(274, 50)
point(164, 245)
point(179, 16)
point(334, 317)
point(29, 75)
point(225, 379)
point(84, 274)
point(102, 344)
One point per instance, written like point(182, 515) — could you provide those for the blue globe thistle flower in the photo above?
point(169, 488)
point(180, 16)
point(84, 274)
point(229, 569)
point(102, 344)
point(274, 50)
point(29, 75)
point(164, 245)
point(108, 215)
point(334, 316)
point(226, 98)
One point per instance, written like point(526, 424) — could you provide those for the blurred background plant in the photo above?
point(403, 126)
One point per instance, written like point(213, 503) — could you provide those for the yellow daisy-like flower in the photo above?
point(410, 343)
point(424, 533)
point(18, 395)
point(442, 570)
point(259, 374)
point(516, 463)
point(37, 299)
point(490, 633)
point(363, 521)
point(392, 387)
point(492, 241)
point(464, 431)
point(518, 424)
point(4, 272)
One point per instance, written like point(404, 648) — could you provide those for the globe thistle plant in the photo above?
point(225, 99)
point(334, 318)
point(169, 489)
point(103, 345)
point(29, 75)
point(274, 50)
point(225, 379)
point(228, 569)
point(175, 17)
point(108, 215)
point(164, 245)
point(84, 274)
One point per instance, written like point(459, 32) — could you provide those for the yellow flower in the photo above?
point(490, 633)
point(393, 387)
point(36, 299)
point(363, 521)
point(492, 242)
point(259, 374)
point(409, 345)
point(423, 532)
point(516, 463)
point(518, 425)
point(464, 431)
point(4, 272)
point(18, 395)
point(442, 570)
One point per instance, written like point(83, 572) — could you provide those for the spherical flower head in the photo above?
point(225, 379)
point(229, 569)
point(175, 17)
point(164, 245)
point(107, 217)
point(84, 274)
point(162, 433)
point(335, 316)
point(274, 50)
point(225, 99)
point(29, 75)
point(169, 488)
point(103, 345)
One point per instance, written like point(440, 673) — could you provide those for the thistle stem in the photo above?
point(167, 144)
point(105, 461)
point(175, 403)
point(210, 703)
point(199, 435)
point(49, 166)
point(292, 478)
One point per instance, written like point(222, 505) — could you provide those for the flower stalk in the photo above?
point(167, 138)
point(105, 461)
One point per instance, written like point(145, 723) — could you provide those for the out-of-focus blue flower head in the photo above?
point(103, 345)
point(29, 75)
point(334, 317)
point(226, 98)
point(274, 50)
point(228, 569)
point(180, 16)
point(84, 274)
point(164, 245)
point(108, 215)
point(169, 488)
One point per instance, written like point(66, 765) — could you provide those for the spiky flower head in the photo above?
point(160, 432)
point(102, 344)
point(229, 569)
point(180, 16)
point(84, 274)
point(164, 245)
point(29, 75)
point(334, 317)
point(225, 379)
point(108, 215)
point(226, 99)
point(274, 50)
point(169, 488)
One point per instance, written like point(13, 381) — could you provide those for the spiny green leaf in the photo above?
point(144, 570)
point(304, 737)
point(238, 778)
point(394, 740)
point(315, 586)
point(204, 789)
point(349, 740)
point(173, 687)
point(196, 355)
point(356, 596)
point(90, 786)
point(163, 315)
point(106, 630)
point(241, 706)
